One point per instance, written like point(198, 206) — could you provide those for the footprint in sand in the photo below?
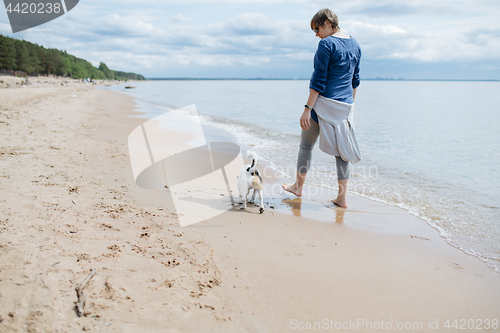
point(455, 266)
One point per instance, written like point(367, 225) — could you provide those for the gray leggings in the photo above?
point(307, 140)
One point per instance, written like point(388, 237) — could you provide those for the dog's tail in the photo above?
point(255, 158)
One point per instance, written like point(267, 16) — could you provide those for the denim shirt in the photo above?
point(336, 69)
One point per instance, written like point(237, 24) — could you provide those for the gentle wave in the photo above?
point(457, 221)
point(422, 150)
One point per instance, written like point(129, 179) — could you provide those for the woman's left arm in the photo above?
point(355, 78)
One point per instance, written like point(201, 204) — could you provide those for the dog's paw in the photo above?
point(261, 210)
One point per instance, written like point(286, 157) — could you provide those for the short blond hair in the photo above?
point(324, 15)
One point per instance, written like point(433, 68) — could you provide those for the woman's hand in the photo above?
point(305, 119)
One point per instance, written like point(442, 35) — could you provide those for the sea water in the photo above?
point(430, 147)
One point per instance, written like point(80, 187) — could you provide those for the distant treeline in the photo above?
point(21, 55)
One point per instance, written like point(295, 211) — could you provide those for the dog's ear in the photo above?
point(253, 163)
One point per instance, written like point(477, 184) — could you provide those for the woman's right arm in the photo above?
point(321, 62)
point(317, 84)
point(305, 122)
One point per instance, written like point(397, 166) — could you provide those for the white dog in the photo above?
point(249, 179)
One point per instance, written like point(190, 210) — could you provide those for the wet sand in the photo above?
point(69, 205)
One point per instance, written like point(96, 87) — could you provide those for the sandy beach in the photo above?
point(69, 204)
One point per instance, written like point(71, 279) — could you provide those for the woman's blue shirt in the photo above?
point(336, 69)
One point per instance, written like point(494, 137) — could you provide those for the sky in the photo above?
point(420, 39)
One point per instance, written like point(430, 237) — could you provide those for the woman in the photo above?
point(335, 77)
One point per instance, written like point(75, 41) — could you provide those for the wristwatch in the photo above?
point(308, 107)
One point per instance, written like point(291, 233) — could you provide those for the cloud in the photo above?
point(179, 18)
point(5, 28)
point(191, 2)
point(394, 42)
point(248, 24)
point(482, 37)
point(116, 25)
point(249, 34)
point(392, 8)
point(378, 41)
point(157, 36)
point(369, 9)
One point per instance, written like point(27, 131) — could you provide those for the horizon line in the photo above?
point(300, 79)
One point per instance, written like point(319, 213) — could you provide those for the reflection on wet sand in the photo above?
point(339, 215)
point(296, 208)
point(295, 204)
point(339, 212)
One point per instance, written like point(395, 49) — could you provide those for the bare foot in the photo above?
point(292, 189)
point(339, 203)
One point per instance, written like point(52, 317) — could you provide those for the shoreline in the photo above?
point(442, 194)
point(69, 204)
point(316, 205)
